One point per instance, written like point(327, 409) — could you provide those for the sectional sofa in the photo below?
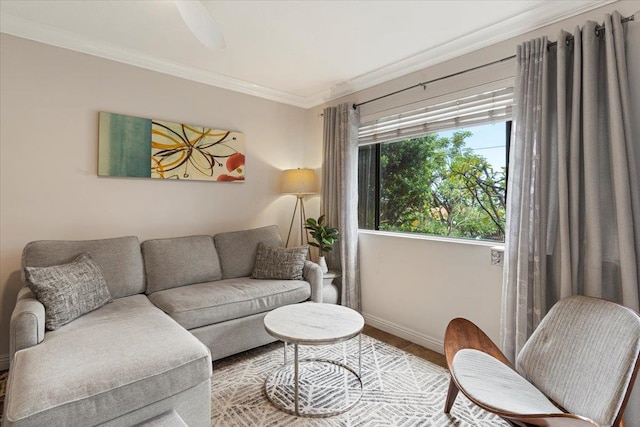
point(176, 305)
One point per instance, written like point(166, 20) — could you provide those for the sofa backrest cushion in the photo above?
point(119, 259)
point(237, 249)
point(180, 261)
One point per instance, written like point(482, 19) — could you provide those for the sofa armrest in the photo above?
point(27, 323)
point(312, 273)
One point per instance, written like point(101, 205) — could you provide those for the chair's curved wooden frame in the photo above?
point(461, 334)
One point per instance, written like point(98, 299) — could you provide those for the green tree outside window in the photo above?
point(438, 185)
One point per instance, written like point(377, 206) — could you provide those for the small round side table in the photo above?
point(314, 387)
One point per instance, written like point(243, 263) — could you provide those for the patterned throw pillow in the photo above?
point(274, 262)
point(68, 291)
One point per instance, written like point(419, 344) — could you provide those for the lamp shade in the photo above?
point(299, 181)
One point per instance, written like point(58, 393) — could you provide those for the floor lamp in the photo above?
point(299, 182)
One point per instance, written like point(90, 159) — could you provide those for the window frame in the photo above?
point(408, 234)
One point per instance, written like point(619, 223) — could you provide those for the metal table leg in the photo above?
point(295, 379)
point(271, 383)
point(360, 355)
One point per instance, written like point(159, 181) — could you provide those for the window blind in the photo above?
point(484, 108)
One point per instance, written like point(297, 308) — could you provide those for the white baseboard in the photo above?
point(4, 362)
point(406, 333)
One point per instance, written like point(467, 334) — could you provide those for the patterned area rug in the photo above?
point(399, 390)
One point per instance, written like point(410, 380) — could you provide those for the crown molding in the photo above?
point(20, 27)
point(538, 16)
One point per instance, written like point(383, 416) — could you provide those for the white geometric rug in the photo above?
point(399, 390)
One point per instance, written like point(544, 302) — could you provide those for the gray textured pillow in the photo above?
point(274, 262)
point(68, 291)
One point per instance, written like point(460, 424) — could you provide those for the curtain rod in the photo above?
point(424, 84)
point(598, 29)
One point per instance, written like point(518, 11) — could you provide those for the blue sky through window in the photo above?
point(488, 141)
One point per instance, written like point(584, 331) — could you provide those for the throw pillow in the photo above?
point(68, 291)
point(274, 262)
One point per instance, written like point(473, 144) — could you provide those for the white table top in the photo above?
point(331, 274)
point(312, 323)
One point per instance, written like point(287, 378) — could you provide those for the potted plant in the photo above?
point(324, 238)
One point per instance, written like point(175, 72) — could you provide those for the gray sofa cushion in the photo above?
point(208, 303)
point(68, 291)
point(170, 263)
point(274, 262)
point(237, 249)
point(119, 259)
point(107, 363)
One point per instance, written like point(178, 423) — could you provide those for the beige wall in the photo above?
point(49, 186)
point(413, 286)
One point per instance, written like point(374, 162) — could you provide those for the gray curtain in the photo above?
point(573, 216)
point(522, 265)
point(339, 194)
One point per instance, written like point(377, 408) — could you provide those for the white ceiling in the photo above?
point(302, 53)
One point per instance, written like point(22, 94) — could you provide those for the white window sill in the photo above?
point(498, 246)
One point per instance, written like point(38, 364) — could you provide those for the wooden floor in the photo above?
point(405, 345)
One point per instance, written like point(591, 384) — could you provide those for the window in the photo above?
point(439, 170)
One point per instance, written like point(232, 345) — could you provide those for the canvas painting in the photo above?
point(136, 147)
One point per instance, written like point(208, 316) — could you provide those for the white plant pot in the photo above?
point(323, 264)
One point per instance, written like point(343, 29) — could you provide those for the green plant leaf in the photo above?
point(325, 237)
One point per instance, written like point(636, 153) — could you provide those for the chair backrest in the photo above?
point(584, 355)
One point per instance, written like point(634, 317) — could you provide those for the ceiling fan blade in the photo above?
point(201, 23)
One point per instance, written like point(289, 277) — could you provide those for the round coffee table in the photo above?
point(314, 324)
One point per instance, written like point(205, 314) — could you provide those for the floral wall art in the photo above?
point(136, 147)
